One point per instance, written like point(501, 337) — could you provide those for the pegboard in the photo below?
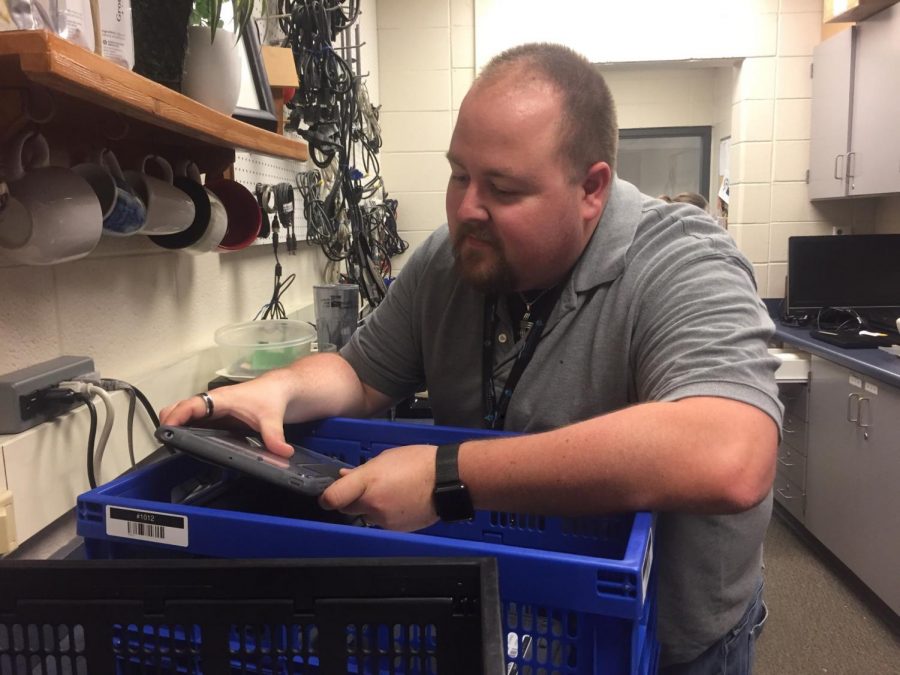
point(250, 169)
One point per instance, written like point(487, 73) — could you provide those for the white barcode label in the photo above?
point(165, 528)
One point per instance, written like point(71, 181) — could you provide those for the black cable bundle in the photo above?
point(284, 206)
point(274, 309)
point(332, 112)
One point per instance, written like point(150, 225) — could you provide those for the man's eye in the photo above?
point(505, 191)
point(458, 178)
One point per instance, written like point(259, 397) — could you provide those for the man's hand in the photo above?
point(392, 490)
point(260, 404)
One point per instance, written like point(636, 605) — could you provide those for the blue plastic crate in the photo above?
point(577, 594)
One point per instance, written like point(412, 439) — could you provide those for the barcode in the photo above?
point(147, 530)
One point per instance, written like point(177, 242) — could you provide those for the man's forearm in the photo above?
point(326, 385)
point(699, 454)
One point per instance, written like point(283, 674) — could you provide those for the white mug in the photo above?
point(169, 210)
point(53, 215)
point(123, 211)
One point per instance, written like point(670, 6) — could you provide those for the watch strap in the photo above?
point(452, 501)
point(446, 467)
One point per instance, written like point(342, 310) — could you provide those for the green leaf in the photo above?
point(209, 13)
point(215, 13)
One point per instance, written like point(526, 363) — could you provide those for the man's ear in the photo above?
point(595, 185)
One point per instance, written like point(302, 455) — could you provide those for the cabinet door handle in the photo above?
point(851, 165)
point(850, 398)
point(838, 159)
point(786, 496)
point(868, 408)
point(783, 463)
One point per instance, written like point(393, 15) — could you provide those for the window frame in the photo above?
point(704, 133)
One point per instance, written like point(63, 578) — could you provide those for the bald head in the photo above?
point(588, 131)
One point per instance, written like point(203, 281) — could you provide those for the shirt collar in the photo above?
point(603, 260)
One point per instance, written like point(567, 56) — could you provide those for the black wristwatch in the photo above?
point(451, 497)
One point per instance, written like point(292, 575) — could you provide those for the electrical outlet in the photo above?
point(20, 391)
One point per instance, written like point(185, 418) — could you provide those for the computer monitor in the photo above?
point(858, 271)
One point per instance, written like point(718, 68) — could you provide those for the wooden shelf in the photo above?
point(85, 85)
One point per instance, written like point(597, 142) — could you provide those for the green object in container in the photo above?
point(266, 359)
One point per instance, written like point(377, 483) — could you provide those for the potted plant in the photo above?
point(209, 13)
point(212, 67)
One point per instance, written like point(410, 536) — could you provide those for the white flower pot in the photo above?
point(212, 71)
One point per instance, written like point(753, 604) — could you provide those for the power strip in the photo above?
point(20, 391)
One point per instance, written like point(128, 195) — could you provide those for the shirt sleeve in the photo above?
point(701, 328)
point(386, 350)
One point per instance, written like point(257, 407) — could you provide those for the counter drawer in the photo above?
point(789, 495)
point(794, 432)
point(792, 465)
point(795, 398)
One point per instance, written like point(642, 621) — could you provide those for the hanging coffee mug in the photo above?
point(210, 219)
point(52, 214)
point(123, 211)
point(169, 210)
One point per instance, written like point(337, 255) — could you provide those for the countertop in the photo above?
point(870, 361)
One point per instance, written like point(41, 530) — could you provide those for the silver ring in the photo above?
point(365, 523)
point(208, 402)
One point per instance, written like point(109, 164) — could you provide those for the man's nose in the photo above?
point(471, 206)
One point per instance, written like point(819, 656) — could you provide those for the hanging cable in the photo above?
point(331, 110)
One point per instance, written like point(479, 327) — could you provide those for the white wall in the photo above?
point(673, 95)
point(426, 57)
point(429, 50)
point(636, 31)
point(887, 215)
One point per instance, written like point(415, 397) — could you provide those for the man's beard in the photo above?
point(487, 270)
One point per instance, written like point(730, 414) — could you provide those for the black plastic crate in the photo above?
point(374, 615)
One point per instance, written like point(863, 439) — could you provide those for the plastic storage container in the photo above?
point(577, 594)
point(250, 616)
point(250, 349)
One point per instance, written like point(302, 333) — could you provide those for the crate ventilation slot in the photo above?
point(38, 649)
point(540, 641)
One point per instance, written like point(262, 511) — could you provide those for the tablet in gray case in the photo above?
point(306, 471)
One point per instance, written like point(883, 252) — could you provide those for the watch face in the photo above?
point(452, 502)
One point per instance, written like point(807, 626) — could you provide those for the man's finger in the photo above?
point(272, 432)
point(183, 411)
point(343, 492)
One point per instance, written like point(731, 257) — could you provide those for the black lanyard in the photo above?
point(495, 408)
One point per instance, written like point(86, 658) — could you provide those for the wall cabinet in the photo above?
point(854, 145)
point(852, 495)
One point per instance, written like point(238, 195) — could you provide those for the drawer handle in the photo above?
point(783, 463)
point(788, 431)
point(781, 492)
point(850, 418)
point(860, 415)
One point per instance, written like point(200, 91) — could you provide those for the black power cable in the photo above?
point(92, 438)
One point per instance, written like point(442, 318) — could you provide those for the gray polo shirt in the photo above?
point(660, 306)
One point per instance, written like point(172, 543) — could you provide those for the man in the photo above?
point(622, 333)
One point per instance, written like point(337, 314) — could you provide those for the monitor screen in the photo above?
point(859, 271)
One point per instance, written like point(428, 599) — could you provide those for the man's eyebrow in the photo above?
point(491, 173)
